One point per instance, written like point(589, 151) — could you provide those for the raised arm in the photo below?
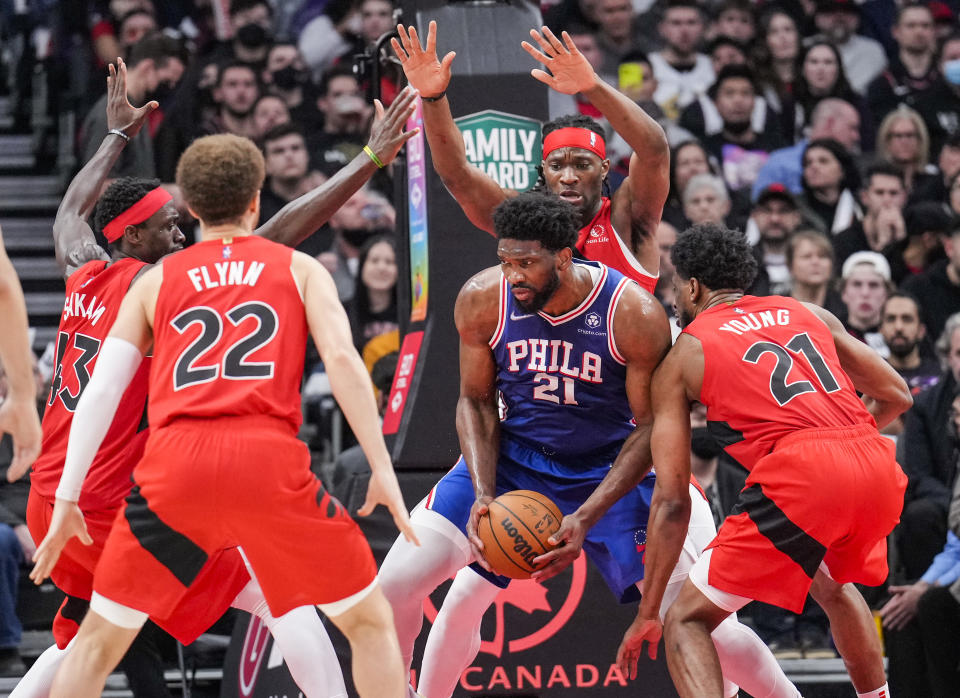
point(670, 507)
point(642, 335)
point(886, 393)
point(18, 413)
point(351, 386)
point(638, 203)
point(74, 243)
point(301, 217)
point(478, 418)
point(477, 193)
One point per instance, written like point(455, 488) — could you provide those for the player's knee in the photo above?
point(370, 616)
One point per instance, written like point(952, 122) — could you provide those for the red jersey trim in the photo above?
point(501, 314)
point(614, 300)
point(587, 302)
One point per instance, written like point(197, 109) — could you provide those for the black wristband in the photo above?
point(434, 99)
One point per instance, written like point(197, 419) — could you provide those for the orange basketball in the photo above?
point(515, 531)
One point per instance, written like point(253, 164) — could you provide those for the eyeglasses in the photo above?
point(911, 135)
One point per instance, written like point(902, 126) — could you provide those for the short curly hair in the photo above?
point(719, 258)
point(539, 216)
point(122, 193)
point(219, 176)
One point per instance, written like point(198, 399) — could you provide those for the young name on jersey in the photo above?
point(230, 273)
point(756, 321)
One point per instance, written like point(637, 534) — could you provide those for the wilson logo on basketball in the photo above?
point(520, 545)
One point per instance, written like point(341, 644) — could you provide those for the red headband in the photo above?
point(138, 213)
point(574, 137)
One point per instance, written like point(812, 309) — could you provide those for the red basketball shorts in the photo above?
point(208, 484)
point(822, 495)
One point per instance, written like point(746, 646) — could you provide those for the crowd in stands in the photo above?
point(828, 130)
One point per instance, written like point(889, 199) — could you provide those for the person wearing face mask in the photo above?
point(287, 77)
point(940, 105)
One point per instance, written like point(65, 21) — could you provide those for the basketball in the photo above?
point(515, 531)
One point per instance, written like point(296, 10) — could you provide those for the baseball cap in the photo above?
point(941, 12)
point(837, 6)
point(776, 191)
point(876, 260)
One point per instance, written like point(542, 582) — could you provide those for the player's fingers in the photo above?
point(568, 42)
point(652, 645)
point(398, 50)
point(552, 38)
point(542, 42)
point(404, 37)
point(367, 507)
point(415, 41)
point(84, 535)
point(534, 53)
point(542, 76)
point(448, 60)
point(432, 37)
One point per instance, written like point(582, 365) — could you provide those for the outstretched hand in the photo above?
point(120, 113)
point(65, 523)
point(631, 647)
point(384, 489)
point(570, 71)
point(423, 70)
point(387, 135)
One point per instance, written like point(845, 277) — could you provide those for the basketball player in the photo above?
point(141, 223)
point(779, 379)
point(227, 319)
point(570, 346)
point(618, 231)
point(18, 411)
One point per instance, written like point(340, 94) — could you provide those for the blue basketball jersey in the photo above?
point(562, 379)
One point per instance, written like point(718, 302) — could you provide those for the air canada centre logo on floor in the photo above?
point(505, 146)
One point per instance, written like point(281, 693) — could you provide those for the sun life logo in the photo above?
point(596, 231)
point(592, 320)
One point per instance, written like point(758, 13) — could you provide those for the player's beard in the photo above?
point(541, 297)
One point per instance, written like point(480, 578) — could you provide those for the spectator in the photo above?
point(929, 460)
point(376, 19)
point(735, 20)
point(775, 59)
point(776, 217)
point(829, 182)
point(329, 37)
point(720, 478)
point(948, 165)
point(156, 63)
point(740, 150)
point(373, 310)
point(938, 288)
point(912, 69)
point(572, 13)
point(810, 262)
point(940, 105)
point(236, 92)
point(927, 223)
point(251, 24)
point(863, 58)
point(287, 77)
point(705, 200)
point(269, 111)
point(819, 76)
point(883, 197)
point(831, 118)
point(724, 51)
point(687, 159)
point(134, 26)
point(904, 335)
point(346, 121)
point(286, 164)
point(903, 140)
point(618, 33)
point(681, 71)
point(865, 282)
point(366, 214)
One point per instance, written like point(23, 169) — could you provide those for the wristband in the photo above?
point(373, 156)
point(434, 99)
point(118, 132)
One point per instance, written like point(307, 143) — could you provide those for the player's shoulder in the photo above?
point(482, 284)
point(637, 302)
point(478, 302)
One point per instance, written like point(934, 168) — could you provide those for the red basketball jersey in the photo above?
point(770, 367)
point(94, 294)
point(599, 242)
point(229, 333)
